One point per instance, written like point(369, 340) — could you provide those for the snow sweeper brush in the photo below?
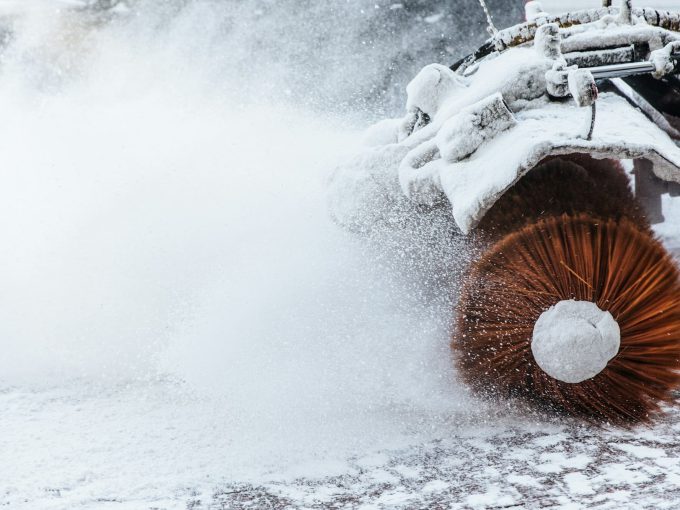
point(533, 143)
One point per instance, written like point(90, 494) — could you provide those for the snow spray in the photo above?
point(163, 223)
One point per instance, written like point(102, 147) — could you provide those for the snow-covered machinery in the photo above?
point(573, 303)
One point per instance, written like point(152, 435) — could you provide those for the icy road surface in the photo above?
point(133, 449)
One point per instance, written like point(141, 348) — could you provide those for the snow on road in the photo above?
point(149, 447)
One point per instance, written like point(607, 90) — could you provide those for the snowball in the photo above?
point(574, 340)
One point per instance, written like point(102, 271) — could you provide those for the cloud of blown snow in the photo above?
point(162, 216)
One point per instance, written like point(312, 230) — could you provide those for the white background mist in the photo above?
point(176, 308)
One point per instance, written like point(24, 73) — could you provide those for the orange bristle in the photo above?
point(615, 263)
point(572, 229)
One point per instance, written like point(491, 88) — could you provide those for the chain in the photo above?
point(492, 28)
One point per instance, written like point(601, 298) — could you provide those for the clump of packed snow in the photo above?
point(433, 85)
point(662, 59)
point(533, 10)
point(548, 41)
point(459, 137)
point(582, 87)
point(464, 133)
point(574, 341)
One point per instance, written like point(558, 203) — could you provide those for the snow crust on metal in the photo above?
point(468, 137)
point(621, 132)
point(556, 6)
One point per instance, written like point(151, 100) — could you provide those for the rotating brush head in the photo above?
point(613, 266)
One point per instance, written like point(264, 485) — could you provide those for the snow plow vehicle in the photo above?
point(535, 143)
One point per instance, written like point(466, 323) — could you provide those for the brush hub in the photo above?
point(574, 341)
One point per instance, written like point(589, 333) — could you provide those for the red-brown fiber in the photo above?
point(606, 255)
